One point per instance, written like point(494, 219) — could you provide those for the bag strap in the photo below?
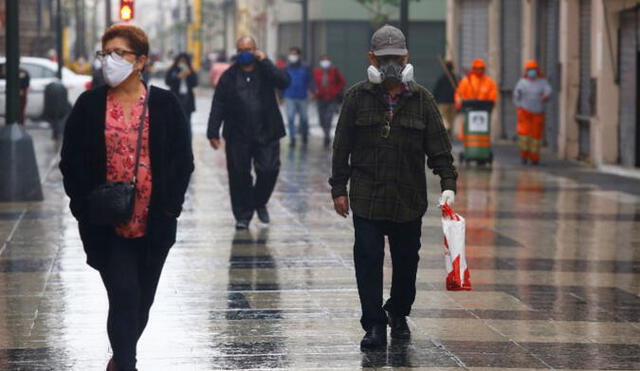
point(140, 130)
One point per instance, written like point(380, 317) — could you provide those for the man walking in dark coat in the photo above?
point(245, 100)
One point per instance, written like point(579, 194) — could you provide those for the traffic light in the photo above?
point(126, 10)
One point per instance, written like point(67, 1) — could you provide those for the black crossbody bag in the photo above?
point(113, 203)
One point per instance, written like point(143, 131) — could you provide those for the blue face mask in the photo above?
point(245, 58)
point(532, 74)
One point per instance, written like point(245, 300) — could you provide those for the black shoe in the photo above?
point(292, 143)
point(374, 338)
point(242, 224)
point(327, 142)
point(399, 327)
point(305, 140)
point(263, 215)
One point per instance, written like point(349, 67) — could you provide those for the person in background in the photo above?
point(530, 95)
point(444, 91)
point(97, 78)
point(245, 101)
point(24, 81)
point(81, 66)
point(329, 83)
point(477, 85)
point(296, 96)
point(182, 79)
point(52, 55)
point(388, 125)
point(107, 129)
point(281, 62)
point(218, 68)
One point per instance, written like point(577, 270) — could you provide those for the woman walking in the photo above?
point(126, 163)
point(182, 79)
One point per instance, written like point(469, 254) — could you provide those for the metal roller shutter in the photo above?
point(547, 54)
point(584, 95)
point(629, 29)
point(473, 32)
point(511, 64)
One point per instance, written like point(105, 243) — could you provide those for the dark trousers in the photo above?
point(131, 283)
point(326, 110)
point(368, 253)
point(184, 100)
point(247, 196)
point(23, 106)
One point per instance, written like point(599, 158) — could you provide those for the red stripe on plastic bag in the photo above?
point(454, 283)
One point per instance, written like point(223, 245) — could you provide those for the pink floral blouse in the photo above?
point(121, 134)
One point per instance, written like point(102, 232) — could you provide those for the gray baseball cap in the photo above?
point(388, 40)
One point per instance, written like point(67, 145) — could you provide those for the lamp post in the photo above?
point(404, 18)
point(107, 13)
point(13, 61)
point(59, 38)
point(20, 180)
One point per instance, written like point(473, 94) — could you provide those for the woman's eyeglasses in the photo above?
point(102, 54)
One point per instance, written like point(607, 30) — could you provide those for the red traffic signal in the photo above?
point(126, 10)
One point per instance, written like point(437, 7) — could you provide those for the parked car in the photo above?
point(42, 72)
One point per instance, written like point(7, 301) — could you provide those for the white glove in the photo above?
point(448, 197)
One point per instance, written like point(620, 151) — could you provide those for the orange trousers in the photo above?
point(530, 131)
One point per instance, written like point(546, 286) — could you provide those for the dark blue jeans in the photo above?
point(368, 254)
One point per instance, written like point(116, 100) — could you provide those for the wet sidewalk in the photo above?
point(554, 253)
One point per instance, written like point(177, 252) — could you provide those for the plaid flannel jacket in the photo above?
point(387, 175)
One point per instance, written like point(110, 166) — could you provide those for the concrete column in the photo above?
point(452, 32)
point(494, 62)
point(568, 98)
point(605, 138)
point(272, 32)
point(529, 29)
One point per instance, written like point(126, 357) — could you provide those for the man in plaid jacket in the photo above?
point(386, 127)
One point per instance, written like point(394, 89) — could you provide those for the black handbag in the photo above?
point(113, 203)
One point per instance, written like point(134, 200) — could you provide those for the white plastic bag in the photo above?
point(453, 225)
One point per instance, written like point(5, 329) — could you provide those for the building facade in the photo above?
point(37, 27)
point(588, 50)
point(342, 29)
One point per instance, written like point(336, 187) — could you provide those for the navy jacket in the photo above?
point(83, 167)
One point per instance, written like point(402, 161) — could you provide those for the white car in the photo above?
point(42, 72)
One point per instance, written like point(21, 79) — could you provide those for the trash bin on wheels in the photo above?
point(477, 131)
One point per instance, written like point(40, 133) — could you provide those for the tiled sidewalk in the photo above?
point(555, 261)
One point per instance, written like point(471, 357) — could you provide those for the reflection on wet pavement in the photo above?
point(554, 255)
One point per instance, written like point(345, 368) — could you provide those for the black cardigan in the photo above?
point(173, 82)
point(228, 107)
point(83, 167)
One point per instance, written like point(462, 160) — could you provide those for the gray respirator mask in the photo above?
point(390, 72)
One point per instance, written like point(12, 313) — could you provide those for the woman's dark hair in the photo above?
point(134, 35)
point(180, 57)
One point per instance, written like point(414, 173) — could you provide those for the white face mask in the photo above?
point(116, 69)
point(325, 64)
point(375, 76)
point(293, 58)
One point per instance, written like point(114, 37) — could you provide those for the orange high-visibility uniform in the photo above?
point(476, 87)
point(530, 131)
point(531, 116)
